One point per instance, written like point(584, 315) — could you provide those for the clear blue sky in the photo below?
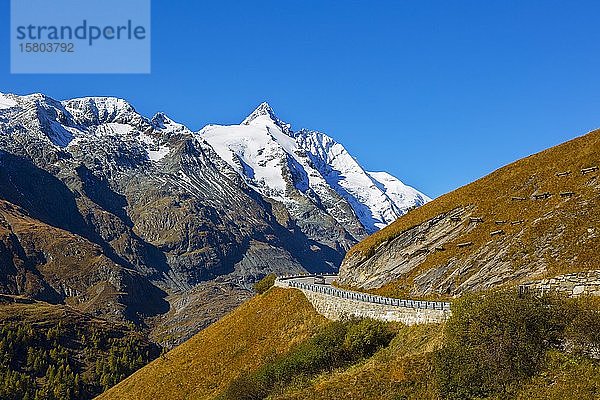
point(438, 93)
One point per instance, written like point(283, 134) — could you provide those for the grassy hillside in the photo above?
point(37, 258)
point(550, 235)
point(403, 367)
point(256, 332)
point(495, 346)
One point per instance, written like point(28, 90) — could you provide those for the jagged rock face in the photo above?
point(410, 253)
point(402, 254)
point(166, 209)
point(535, 218)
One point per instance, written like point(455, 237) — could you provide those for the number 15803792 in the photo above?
point(56, 47)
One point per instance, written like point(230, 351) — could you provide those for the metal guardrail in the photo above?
point(364, 297)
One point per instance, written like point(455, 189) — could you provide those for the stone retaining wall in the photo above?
point(572, 285)
point(335, 307)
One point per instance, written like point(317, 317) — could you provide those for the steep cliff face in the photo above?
point(534, 218)
point(162, 210)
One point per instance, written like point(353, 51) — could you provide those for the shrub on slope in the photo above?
point(336, 345)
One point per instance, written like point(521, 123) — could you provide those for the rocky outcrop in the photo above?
point(404, 253)
point(481, 268)
point(533, 219)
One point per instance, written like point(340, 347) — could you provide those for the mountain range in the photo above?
point(143, 219)
point(533, 221)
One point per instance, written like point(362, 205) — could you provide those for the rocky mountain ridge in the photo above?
point(286, 165)
point(166, 210)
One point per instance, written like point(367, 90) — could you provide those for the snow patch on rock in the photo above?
point(156, 152)
point(6, 102)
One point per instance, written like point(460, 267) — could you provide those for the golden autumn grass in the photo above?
point(275, 322)
point(72, 255)
point(571, 224)
point(402, 368)
point(39, 313)
point(251, 335)
point(269, 325)
point(406, 370)
point(67, 258)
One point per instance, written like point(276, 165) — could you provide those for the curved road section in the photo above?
point(332, 301)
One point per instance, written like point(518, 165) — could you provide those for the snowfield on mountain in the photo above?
point(279, 163)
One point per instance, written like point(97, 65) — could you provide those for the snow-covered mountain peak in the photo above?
point(40, 114)
point(102, 104)
point(165, 130)
point(309, 165)
point(160, 120)
point(264, 115)
point(164, 124)
point(40, 102)
point(311, 174)
point(98, 110)
point(399, 192)
point(377, 198)
point(263, 110)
